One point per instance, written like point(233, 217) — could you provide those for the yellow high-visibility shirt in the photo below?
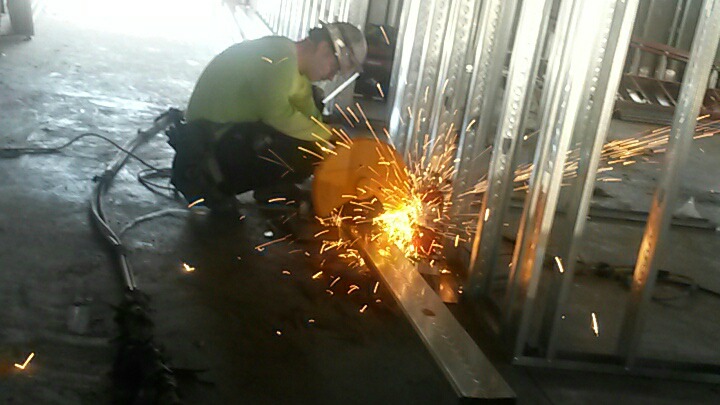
point(254, 81)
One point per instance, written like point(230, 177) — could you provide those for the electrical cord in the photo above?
point(144, 176)
point(9, 153)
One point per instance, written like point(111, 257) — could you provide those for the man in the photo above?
point(252, 116)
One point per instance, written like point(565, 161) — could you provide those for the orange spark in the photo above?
point(196, 202)
point(27, 361)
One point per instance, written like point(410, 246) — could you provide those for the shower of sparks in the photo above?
point(404, 207)
point(188, 268)
point(595, 325)
point(620, 152)
point(27, 361)
point(347, 119)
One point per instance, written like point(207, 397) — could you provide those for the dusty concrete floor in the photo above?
point(84, 72)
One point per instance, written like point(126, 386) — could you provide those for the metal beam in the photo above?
point(592, 126)
point(469, 371)
point(405, 70)
point(491, 46)
point(556, 131)
point(707, 36)
point(527, 52)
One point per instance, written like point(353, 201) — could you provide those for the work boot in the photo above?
point(194, 184)
point(222, 205)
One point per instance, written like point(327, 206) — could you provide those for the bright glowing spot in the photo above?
point(559, 264)
point(261, 247)
point(364, 307)
point(487, 214)
point(595, 324)
point(400, 223)
point(272, 200)
point(286, 272)
point(196, 202)
point(352, 289)
point(188, 268)
point(379, 87)
point(387, 40)
point(377, 284)
point(322, 233)
point(278, 332)
point(27, 361)
point(317, 275)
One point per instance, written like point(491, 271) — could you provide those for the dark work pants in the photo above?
point(250, 156)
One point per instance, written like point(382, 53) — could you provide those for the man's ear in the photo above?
point(327, 47)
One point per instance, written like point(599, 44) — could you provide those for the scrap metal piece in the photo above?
point(471, 374)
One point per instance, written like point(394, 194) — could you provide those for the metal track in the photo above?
point(471, 374)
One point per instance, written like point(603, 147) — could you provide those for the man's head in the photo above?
point(330, 49)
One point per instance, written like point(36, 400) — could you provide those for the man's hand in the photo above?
point(318, 96)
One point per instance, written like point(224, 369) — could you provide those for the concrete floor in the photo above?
point(89, 69)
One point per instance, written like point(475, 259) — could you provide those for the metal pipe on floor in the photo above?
point(469, 371)
point(707, 36)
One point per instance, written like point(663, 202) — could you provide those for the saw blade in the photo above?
point(365, 169)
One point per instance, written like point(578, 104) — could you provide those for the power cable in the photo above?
point(10, 153)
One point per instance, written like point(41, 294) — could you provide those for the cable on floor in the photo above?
point(10, 153)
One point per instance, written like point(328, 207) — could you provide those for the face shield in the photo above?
point(349, 46)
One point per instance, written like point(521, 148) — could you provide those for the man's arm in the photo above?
point(276, 110)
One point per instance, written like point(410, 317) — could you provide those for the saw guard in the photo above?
point(364, 169)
